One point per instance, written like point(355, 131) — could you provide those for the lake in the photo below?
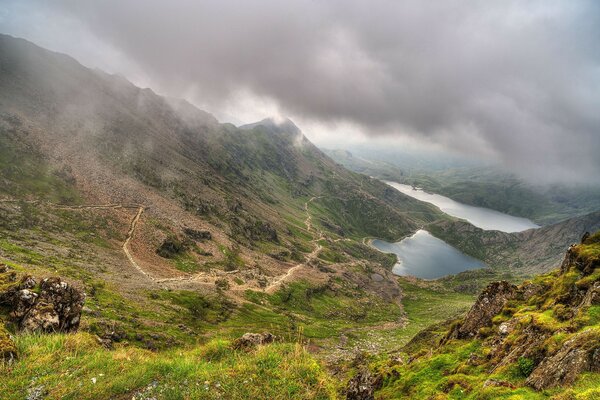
point(483, 218)
point(425, 256)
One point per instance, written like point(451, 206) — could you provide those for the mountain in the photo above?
point(156, 252)
point(96, 138)
point(476, 184)
point(524, 253)
point(181, 229)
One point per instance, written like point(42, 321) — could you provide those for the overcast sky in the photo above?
point(517, 82)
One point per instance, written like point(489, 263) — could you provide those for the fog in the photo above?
point(514, 82)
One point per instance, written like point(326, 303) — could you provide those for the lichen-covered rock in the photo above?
point(58, 308)
point(8, 350)
point(250, 340)
point(592, 296)
point(527, 342)
point(363, 386)
point(489, 303)
point(579, 354)
point(54, 306)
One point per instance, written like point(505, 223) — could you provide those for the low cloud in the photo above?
point(512, 79)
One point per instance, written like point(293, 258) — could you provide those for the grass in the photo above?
point(322, 313)
point(427, 306)
point(26, 174)
point(76, 367)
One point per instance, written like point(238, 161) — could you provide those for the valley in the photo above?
point(175, 235)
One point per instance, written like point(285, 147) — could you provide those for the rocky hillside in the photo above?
point(524, 253)
point(80, 138)
point(539, 339)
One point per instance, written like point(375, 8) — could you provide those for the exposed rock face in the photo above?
point(250, 340)
point(197, 235)
point(171, 247)
point(363, 386)
point(579, 354)
point(54, 307)
point(489, 303)
point(592, 296)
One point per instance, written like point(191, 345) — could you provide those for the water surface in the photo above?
point(483, 218)
point(425, 256)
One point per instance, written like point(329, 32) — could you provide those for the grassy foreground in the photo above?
point(76, 367)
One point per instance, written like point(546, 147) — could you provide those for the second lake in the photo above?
point(483, 218)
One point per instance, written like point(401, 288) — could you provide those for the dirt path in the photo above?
point(130, 233)
point(313, 254)
point(318, 235)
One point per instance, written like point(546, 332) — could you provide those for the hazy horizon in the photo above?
point(510, 83)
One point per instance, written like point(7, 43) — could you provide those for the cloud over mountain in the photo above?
point(514, 80)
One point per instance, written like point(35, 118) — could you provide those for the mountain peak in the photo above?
point(275, 125)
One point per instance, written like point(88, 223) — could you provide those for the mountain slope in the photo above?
point(525, 253)
point(478, 185)
point(540, 339)
point(180, 227)
point(112, 142)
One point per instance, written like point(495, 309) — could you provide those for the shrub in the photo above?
point(222, 284)
point(526, 366)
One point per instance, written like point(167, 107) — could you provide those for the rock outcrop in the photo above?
point(543, 334)
point(52, 306)
point(489, 303)
point(363, 386)
point(577, 355)
point(197, 235)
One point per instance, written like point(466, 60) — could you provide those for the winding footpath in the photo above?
point(308, 223)
point(130, 233)
point(187, 278)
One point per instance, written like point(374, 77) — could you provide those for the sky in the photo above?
point(515, 82)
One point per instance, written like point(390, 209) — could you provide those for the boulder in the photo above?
point(251, 340)
point(57, 309)
point(51, 306)
point(363, 386)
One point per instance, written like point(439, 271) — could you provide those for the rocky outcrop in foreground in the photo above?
point(51, 305)
point(490, 302)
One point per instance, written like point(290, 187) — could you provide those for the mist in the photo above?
point(512, 82)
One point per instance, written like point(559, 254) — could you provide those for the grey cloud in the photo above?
point(517, 78)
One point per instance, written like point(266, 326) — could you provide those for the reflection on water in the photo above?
point(425, 256)
point(483, 218)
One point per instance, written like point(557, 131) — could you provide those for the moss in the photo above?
point(8, 349)
point(526, 365)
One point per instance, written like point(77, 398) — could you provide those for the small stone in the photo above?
point(250, 340)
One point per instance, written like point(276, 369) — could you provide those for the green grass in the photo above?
point(26, 173)
point(321, 313)
point(427, 306)
point(76, 367)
